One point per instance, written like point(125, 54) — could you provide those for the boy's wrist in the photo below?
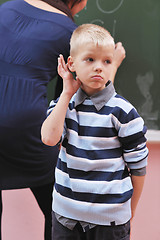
point(66, 95)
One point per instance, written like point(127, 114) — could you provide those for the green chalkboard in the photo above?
point(136, 23)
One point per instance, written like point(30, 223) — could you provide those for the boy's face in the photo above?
point(92, 65)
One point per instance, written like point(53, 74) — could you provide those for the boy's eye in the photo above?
point(108, 61)
point(90, 59)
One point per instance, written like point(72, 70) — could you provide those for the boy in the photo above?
point(103, 156)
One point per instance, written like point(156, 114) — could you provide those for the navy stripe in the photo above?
point(118, 112)
point(92, 175)
point(124, 117)
point(94, 198)
point(90, 131)
point(137, 149)
point(105, 110)
point(71, 105)
point(133, 140)
point(86, 108)
point(91, 154)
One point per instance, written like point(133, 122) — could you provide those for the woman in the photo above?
point(33, 34)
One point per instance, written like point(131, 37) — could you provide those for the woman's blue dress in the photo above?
point(31, 40)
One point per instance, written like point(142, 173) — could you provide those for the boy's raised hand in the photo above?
point(70, 85)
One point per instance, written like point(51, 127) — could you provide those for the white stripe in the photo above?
point(138, 165)
point(130, 128)
point(96, 187)
point(92, 143)
point(101, 214)
point(139, 147)
point(97, 120)
point(120, 103)
point(90, 119)
point(136, 155)
point(134, 126)
point(114, 164)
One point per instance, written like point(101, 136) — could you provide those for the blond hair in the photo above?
point(89, 33)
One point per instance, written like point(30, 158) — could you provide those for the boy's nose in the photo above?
point(98, 68)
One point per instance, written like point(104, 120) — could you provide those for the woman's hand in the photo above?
point(118, 57)
point(119, 54)
point(70, 85)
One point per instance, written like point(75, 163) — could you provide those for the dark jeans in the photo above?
point(120, 232)
point(43, 195)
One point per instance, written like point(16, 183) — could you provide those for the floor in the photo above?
point(147, 219)
point(22, 218)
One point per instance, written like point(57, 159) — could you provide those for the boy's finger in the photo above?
point(63, 63)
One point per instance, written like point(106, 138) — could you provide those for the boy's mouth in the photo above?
point(97, 77)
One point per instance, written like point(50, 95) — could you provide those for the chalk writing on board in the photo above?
point(114, 28)
point(97, 21)
point(114, 6)
point(146, 109)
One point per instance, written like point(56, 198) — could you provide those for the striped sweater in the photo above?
point(102, 143)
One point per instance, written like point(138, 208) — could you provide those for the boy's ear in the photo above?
point(70, 64)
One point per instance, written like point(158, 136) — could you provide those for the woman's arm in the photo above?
point(119, 55)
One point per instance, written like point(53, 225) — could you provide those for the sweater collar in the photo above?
point(99, 99)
